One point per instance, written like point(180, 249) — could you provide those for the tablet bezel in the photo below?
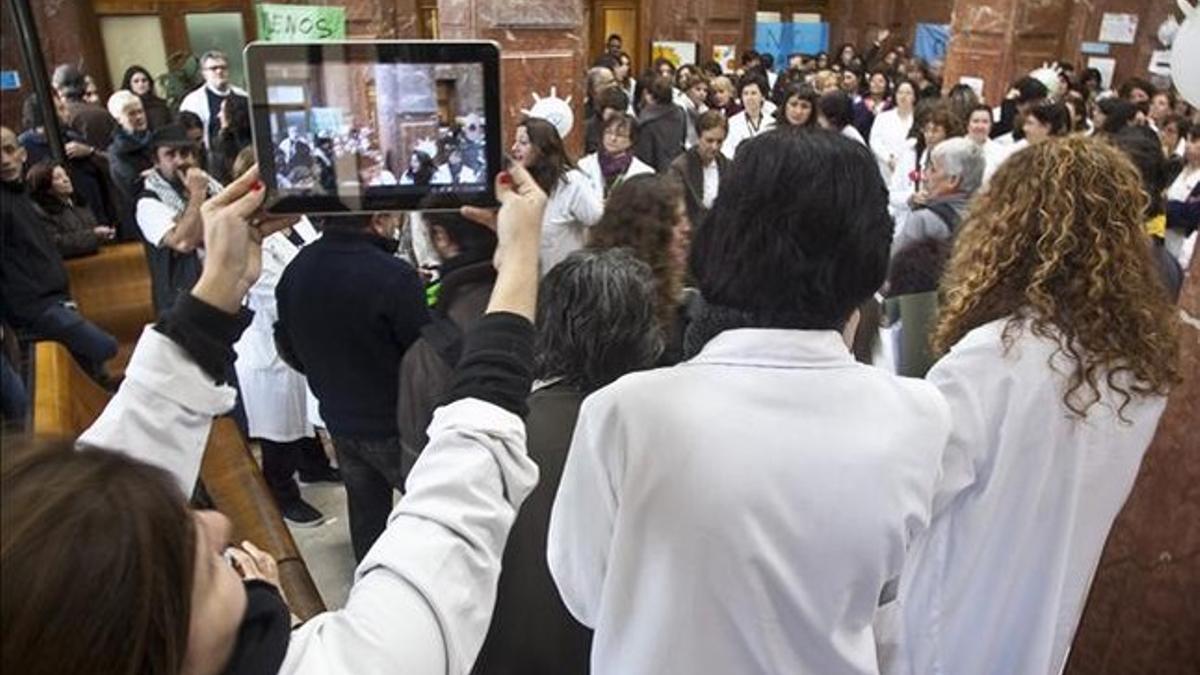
point(259, 54)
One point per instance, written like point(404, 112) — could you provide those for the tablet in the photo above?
point(366, 126)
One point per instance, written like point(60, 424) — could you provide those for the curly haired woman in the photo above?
point(1062, 347)
point(647, 214)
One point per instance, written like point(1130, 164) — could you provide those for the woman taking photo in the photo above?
point(1060, 348)
point(573, 204)
point(614, 162)
point(648, 216)
point(798, 108)
point(420, 169)
point(73, 227)
point(107, 571)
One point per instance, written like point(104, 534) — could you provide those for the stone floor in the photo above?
point(326, 548)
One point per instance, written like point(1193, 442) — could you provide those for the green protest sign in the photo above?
point(300, 23)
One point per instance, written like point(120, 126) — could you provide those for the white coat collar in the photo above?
point(776, 348)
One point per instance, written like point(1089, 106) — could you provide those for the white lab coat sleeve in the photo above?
point(163, 412)
point(423, 597)
point(586, 205)
point(966, 377)
point(585, 509)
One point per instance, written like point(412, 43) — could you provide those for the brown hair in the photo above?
point(551, 161)
point(1057, 240)
point(942, 115)
point(97, 552)
point(640, 215)
point(711, 119)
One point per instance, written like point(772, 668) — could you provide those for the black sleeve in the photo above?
point(497, 363)
point(206, 333)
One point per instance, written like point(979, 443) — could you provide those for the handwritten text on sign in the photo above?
point(300, 23)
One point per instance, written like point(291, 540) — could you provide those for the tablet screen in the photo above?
point(375, 126)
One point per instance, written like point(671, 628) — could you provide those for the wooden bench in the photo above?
point(112, 289)
point(66, 402)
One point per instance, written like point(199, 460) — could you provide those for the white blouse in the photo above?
point(740, 129)
point(1026, 499)
point(889, 134)
point(573, 206)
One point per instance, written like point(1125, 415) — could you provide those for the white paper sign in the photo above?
point(1106, 66)
point(975, 83)
point(1118, 28)
point(1160, 62)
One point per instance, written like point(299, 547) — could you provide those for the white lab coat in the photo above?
point(197, 101)
point(902, 186)
point(742, 512)
point(573, 206)
point(423, 596)
point(889, 134)
point(443, 176)
point(272, 393)
point(589, 166)
point(1022, 510)
point(740, 130)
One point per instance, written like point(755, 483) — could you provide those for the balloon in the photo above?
point(1185, 55)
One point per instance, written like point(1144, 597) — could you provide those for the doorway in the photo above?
point(617, 17)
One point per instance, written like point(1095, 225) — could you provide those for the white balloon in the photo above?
point(1185, 55)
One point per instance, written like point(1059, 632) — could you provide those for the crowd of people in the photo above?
point(674, 407)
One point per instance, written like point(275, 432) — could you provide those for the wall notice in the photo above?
point(300, 23)
point(1118, 28)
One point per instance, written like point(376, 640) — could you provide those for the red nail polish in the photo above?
point(258, 185)
point(505, 178)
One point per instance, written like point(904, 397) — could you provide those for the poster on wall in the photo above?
point(726, 57)
point(1118, 28)
point(678, 53)
point(300, 23)
point(1106, 66)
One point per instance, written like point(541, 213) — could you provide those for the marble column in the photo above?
point(1143, 610)
point(543, 45)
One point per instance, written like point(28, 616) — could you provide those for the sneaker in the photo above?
point(326, 474)
point(302, 514)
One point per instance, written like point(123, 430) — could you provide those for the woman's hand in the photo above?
point(252, 562)
point(233, 242)
point(75, 149)
point(104, 232)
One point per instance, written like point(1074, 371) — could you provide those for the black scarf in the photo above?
point(262, 639)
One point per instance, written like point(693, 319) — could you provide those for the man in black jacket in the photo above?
point(348, 311)
point(700, 169)
point(34, 291)
point(662, 126)
point(458, 298)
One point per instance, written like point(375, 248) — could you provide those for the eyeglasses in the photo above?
point(612, 133)
point(218, 68)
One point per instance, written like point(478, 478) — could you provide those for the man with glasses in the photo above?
point(205, 101)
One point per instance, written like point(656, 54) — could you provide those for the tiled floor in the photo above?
point(326, 548)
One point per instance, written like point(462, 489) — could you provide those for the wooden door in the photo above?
point(618, 17)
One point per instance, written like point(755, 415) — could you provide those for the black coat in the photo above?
point(688, 170)
point(32, 275)
point(662, 130)
point(532, 631)
point(348, 310)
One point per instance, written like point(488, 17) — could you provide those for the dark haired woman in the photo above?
point(1060, 348)
point(647, 215)
point(879, 92)
point(233, 136)
point(614, 162)
point(798, 107)
point(138, 80)
point(107, 570)
point(890, 130)
point(73, 226)
point(573, 204)
point(796, 242)
point(756, 117)
point(595, 323)
point(420, 169)
point(1111, 115)
point(1046, 120)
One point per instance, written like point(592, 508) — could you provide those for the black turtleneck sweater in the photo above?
point(32, 276)
point(348, 310)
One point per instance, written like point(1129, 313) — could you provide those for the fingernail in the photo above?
point(505, 178)
point(258, 185)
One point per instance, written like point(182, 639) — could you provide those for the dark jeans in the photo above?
point(371, 469)
point(14, 401)
point(90, 346)
point(282, 460)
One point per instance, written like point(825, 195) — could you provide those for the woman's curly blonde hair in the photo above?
point(1057, 240)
